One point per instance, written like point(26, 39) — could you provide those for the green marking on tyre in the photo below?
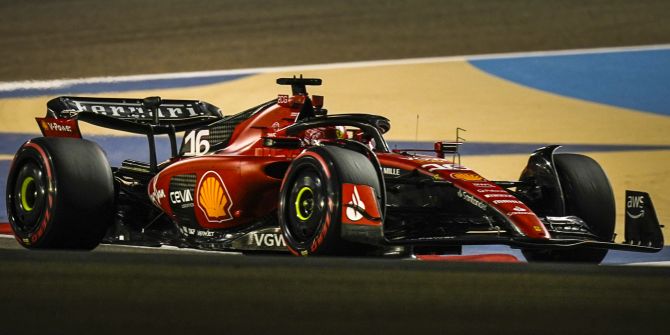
point(24, 188)
point(304, 204)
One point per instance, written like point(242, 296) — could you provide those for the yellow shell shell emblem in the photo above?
point(213, 198)
point(467, 176)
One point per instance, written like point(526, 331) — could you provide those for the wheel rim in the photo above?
point(29, 196)
point(28, 193)
point(304, 203)
point(308, 199)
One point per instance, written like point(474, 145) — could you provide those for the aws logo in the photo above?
point(635, 206)
point(213, 199)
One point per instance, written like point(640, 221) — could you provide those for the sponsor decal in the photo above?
point(491, 191)
point(425, 159)
point(213, 199)
point(181, 196)
point(635, 206)
point(497, 202)
point(498, 195)
point(391, 171)
point(157, 195)
point(537, 228)
point(360, 205)
point(53, 127)
point(469, 198)
point(263, 239)
point(282, 99)
point(267, 240)
point(467, 176)
point(196, 232)
point(121, 109)
point(519, 209)
point(353, 211)
point(438, 167)
point(57, 127)
point(483, 185)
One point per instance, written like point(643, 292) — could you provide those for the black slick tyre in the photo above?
point(310, 206)
point(588, 195)
point(60, 194)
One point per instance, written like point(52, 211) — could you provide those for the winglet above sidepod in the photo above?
point(642, 226)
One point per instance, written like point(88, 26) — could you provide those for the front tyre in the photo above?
point(60, 194)
point(310, 206)
point(588, 195)
point(311, 202)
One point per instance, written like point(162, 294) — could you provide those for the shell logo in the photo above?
point(467, 176)
point(213, 198)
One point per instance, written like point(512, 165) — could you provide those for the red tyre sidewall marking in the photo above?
point(326, 225)
point(33, 237)
point(293, 251)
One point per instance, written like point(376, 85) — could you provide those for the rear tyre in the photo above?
point(588, 195)
point(310, 205)
point(60, 194)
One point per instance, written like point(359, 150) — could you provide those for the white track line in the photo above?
point(50, 84)
point(170, 248)
point(661, 263)
point(161, 248)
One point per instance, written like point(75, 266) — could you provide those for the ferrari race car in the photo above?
point(286, 176)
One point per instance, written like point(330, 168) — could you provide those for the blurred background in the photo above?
point(78, 38)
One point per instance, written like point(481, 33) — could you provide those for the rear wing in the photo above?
point(106, 112)
point(149, 116)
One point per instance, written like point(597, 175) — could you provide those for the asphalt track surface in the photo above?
point(113, 293)
point(119, 290)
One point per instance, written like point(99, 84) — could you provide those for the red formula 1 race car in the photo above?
point(285, 176)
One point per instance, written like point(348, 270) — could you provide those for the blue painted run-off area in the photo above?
point(637, 80)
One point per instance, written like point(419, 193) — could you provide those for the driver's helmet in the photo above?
point(326, 133)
